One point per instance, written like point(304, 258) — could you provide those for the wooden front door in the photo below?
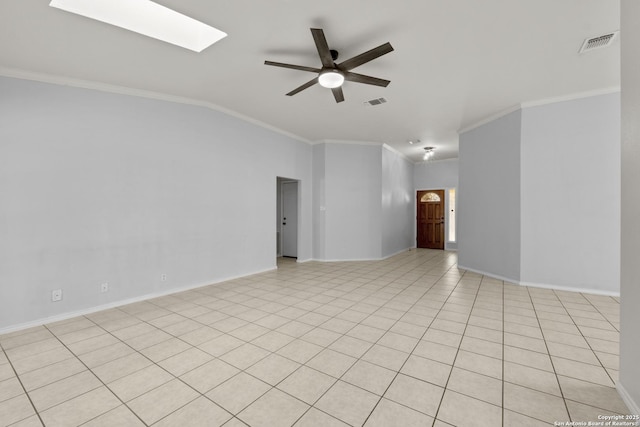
point(430, 219)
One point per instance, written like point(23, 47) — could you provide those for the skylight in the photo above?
point(147, 18)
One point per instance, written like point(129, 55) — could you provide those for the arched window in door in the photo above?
point(430, 197)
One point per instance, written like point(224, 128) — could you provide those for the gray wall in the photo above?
point(629, 382)
point(489, 198)
point(397, 203)
point(98, 187)
point(319, 202)
point(353, 181)
point(540, 196)
point(434, 175)
point(570, 186)
point(362, 208)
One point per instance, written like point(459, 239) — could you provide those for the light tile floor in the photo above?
point(409, 341)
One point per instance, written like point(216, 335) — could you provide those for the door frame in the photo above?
point(446, 214)
point(279, 210)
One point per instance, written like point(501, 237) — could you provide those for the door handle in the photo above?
point(284, 223)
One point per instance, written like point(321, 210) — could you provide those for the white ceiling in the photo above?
point(455, 61)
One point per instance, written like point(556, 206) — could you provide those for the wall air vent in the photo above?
point(598, 42)
point(376, 101)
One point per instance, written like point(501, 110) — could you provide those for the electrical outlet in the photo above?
point(163, 277)
point(104, 287)
point(56, 295)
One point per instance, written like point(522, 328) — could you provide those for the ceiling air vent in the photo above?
point(376, 101)
point(598, 42)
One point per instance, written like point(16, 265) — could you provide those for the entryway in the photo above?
point(287, 217)
point(430, 219)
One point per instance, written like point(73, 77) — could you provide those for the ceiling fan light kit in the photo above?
point(332, 75)
point(331, 79)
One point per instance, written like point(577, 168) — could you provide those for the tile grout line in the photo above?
point(595, 307)
point(457, 350)
point(387, 286)
point(588, 344)
point(553, 365)
point(274, 386)
point(301, 364)
point(414, 347)
point(594, 352)
point(435, 417)
point(21, 385)
point(372, 344)
point(95, 375)
point(360, 358)
point(300, 337)
point(143, 355)
point(159, 366)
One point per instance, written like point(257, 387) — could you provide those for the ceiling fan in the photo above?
point(332, 75)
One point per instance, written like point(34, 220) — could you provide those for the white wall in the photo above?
point(397, 203)
point(629, 383)
point(436, 175)
point(99, 187)
point(353, 182)
point(489, 198)
point(570, 194)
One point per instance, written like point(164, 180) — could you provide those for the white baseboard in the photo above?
point(360, 259)
point(571, 289)
point(543, 285)
point(396, 253)
point(89, 310)
point(347, 260)
point(484, 273)
point(634, 407)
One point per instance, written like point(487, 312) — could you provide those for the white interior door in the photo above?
point(290, 219)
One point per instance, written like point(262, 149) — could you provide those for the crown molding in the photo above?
point(540, 102)
point(395, 151)
point(368, 143)
point(489, 119)
point(423, 163)
point(347, 142)
point(574, 96)
point(123, 90)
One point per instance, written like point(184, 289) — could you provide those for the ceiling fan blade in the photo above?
point(363, 58)
point(303, 87)
point(360, 78)
point(294, 67)
point(337, 94)
point(323, 47)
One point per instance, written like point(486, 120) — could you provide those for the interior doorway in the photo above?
point(430, 219)
point(287, 217)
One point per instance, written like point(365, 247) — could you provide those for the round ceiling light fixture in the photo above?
point(331, 79)
point(428, 153)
